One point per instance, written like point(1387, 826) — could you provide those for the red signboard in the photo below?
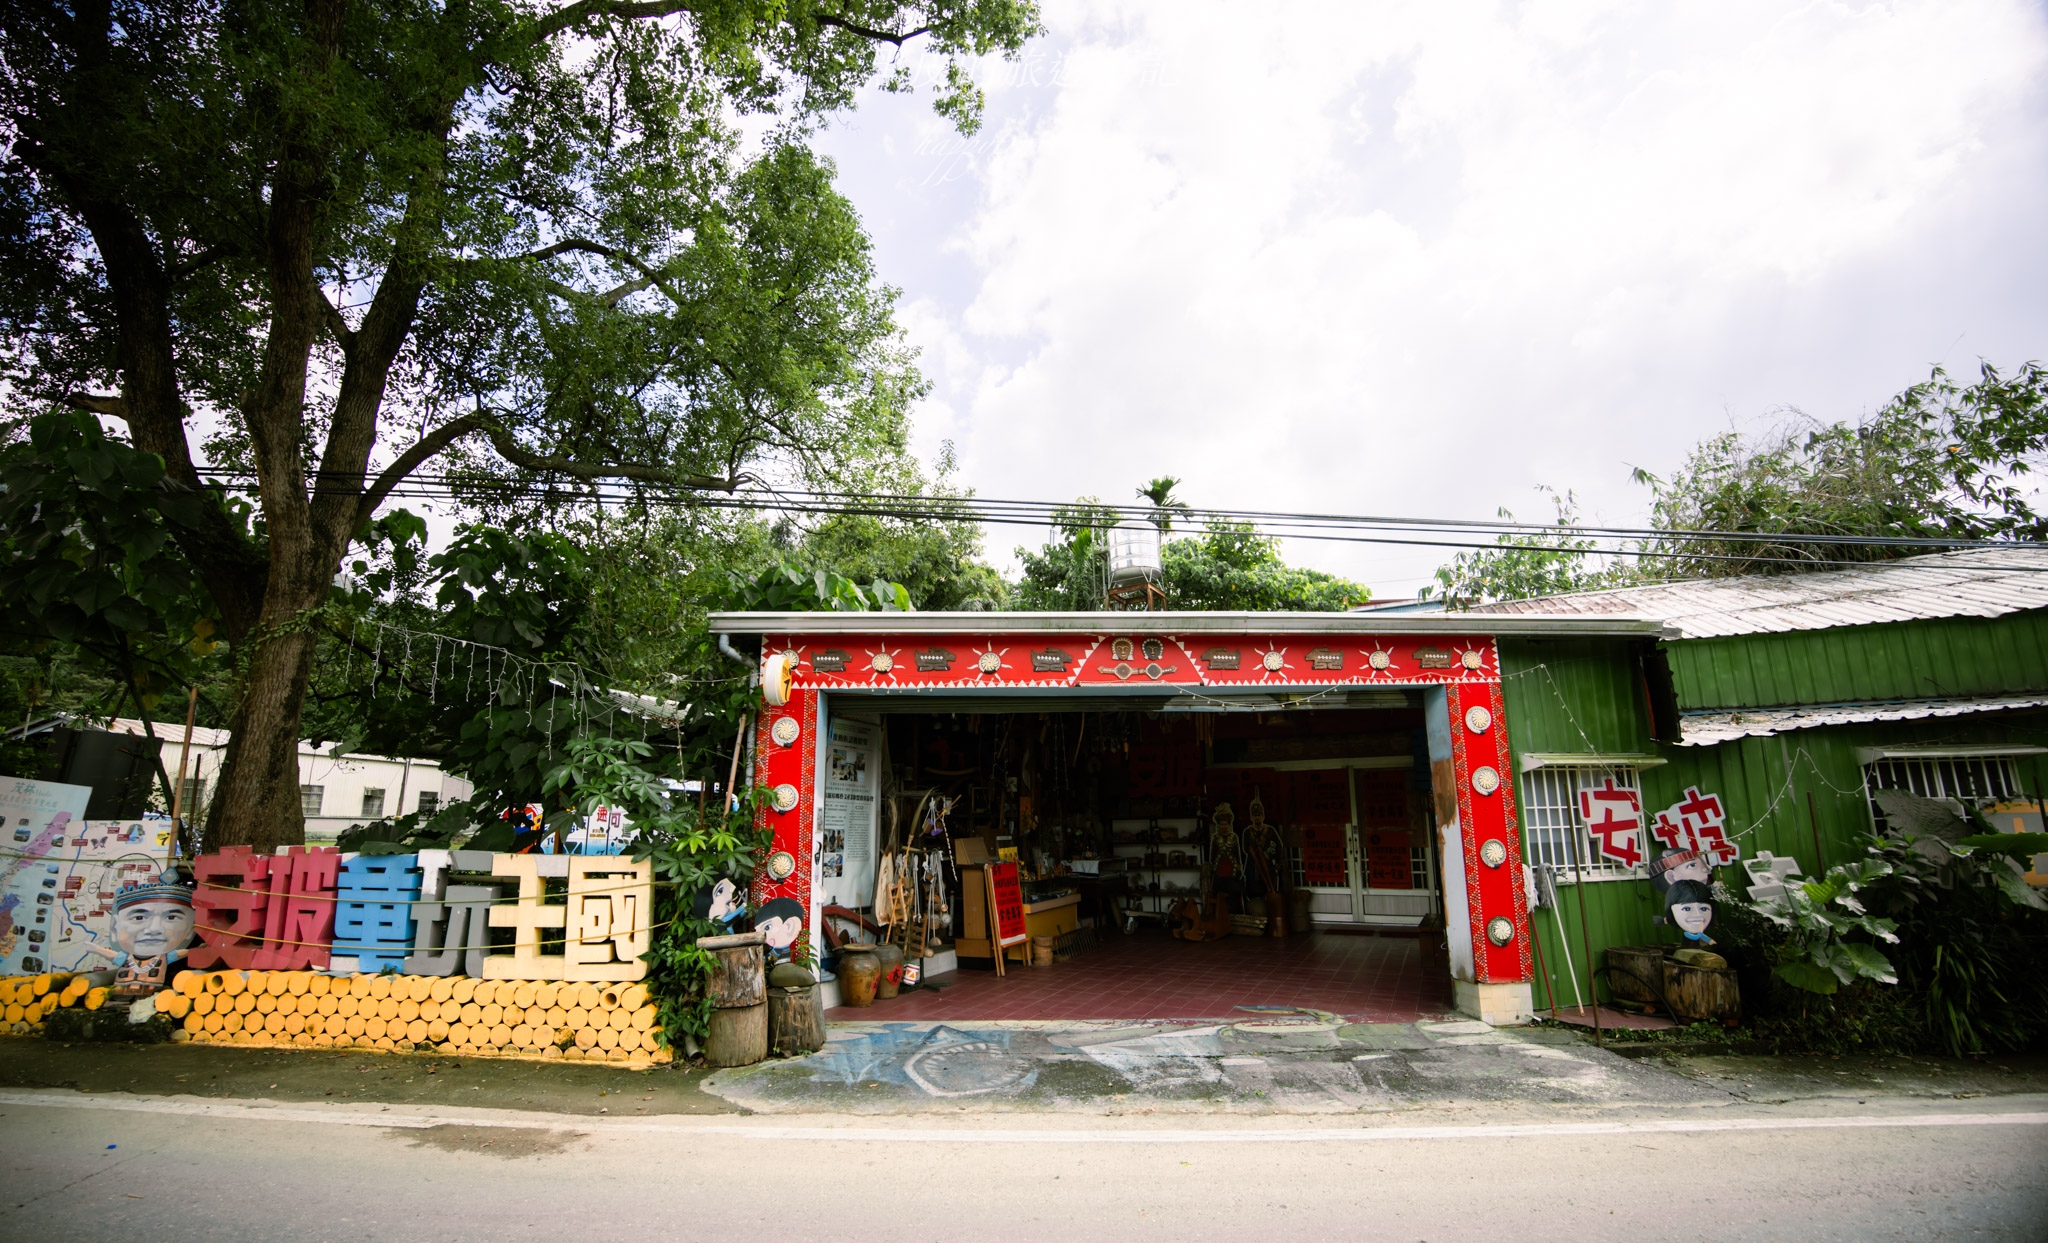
point(1007, 900)
point(914, 661)
point(1383, 798)
point(1386, 860)
point(1322, 856)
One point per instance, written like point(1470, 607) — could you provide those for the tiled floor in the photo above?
point(1149, 975)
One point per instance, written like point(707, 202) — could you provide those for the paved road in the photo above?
point(93, 1166)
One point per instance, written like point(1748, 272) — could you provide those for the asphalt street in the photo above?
point(126, 1166)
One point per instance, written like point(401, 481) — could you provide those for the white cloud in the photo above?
point(1420, 258)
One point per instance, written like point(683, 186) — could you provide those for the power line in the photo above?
point(1339, 528)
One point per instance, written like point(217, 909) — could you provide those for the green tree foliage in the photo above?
point(1526, 565)
point(1067, 574)
point(1939, 461)
point(522, 241)
point(1229, 566)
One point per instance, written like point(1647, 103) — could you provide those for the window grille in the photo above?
point(309, 799)
point(193, 798)
point(1969, 779)
point(373, 801)
point(1553, 826)
point(430, 802)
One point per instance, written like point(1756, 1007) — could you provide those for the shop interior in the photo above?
point(1168, 863)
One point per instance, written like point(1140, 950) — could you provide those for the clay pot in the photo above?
point(859, 972)
point(890, 958)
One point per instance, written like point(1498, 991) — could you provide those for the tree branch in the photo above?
point(632, 10)
point(409, 461)
point(93, 403)
point(519, 455)
point(879, 36)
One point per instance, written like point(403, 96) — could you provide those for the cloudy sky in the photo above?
point(1420, 258)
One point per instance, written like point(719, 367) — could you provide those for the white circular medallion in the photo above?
point(1478, 719)
point(989, 662)
point(1379, 660)
point(1472, 659)
point(780, 865)
point(1272, 661)
point(881, 662)
point(1493, 852)
point(785, 797)
point(785, 731)
point(1500, 930)
point(778, 678)
point(1485, 780)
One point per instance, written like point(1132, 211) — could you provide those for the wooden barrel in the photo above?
point(1635, 972)
point(1698, 994)
point(738, 1036)
point(796, 1021)
point(738, 973)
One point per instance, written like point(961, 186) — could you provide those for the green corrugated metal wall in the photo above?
point(1579, 696)
point(1583, 696)
point(1903, 660)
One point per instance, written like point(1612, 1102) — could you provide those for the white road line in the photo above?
point(359, 1116)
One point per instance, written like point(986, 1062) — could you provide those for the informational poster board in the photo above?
point(1322, 856)
point(60, 872)
point(1007, 899)
point(1388, 864)
point(846, 843)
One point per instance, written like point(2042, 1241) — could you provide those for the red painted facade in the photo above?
point(1467, 667)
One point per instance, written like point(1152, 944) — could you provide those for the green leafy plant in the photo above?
point(692, 845)
point(1819, 918)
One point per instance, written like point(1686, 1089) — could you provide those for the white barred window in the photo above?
point(1969, 779)
point(1553, 826)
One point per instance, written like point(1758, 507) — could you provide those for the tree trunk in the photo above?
point(258, 802)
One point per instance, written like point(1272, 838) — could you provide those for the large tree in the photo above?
point(338, 243)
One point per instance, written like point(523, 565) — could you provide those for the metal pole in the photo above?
point(184, 752)
point(1585, 936)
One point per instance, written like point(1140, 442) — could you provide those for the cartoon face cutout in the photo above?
point(719, 903)
point(782, 920)
point(153, 929)
point(1675, 866)
point(1691, 906)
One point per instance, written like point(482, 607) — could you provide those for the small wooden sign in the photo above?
point(935, 660)
point(1223, 657)
point(1006, 899)
point(831, 660)
point(1326, 658)
point(1051, 660)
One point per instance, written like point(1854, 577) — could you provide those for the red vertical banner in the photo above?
point(1322, 797)
point(1484, 771)
point(1383, 798)
point(1008, 903)
point(1387, 861)
point(785, 771)
point(1322, 856)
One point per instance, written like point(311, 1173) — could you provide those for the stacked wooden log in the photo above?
point(457, 1016)
point(738, 988)
point(26, 1000)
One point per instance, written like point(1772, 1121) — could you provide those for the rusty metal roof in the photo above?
point(1983, 582)
point(1705, 729)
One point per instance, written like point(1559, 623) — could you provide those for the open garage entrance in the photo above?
point(1218, 809)
point(1179, 861)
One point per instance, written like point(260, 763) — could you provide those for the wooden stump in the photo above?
point(738, 1036)
point(1635, 972)
point(796, 1020)
point(738, 974)
point(1700, 993)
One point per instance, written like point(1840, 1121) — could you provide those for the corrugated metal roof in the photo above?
point(1983, 582)
point(1605, 623)
point(1708, 728)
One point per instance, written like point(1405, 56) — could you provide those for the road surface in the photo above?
point(130, 1166)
